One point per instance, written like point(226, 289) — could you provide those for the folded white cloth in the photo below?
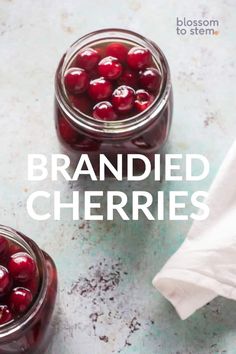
point(205, 265)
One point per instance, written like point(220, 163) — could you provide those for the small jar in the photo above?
point(144, 133)
point(30, 333)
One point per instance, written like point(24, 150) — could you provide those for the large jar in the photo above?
point(143, 133)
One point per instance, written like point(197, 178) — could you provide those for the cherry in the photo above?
point(138, 58)
point(22, 267)
point(67, 132)
point(81, 102)
point(129, 78)
point(71, 136)
point(143, 99)
point(14, 248)
point(32, 285)
point(94, 74)
point(104, 111)
point(123, 98)
point(76, 80)
point(117, 50)
point(5, 281)
point(150, 79)
point(5, 314)
point(110, 68)
point(100, 89)
point(20, 300)
point(88, 58)
point(4, 246)
point(101, 51)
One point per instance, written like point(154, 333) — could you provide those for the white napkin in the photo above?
point(205, 265)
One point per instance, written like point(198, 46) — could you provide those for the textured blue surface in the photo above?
point(107, 303)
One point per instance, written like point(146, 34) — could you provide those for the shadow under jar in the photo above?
point(29, 333)
point(138, 132)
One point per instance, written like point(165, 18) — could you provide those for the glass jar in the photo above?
point(144, 133)
point(30, 333)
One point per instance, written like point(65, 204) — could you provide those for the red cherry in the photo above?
point(104, 111)
point(143, 99)
point(138, 58)
point(20, 300)
point(76, 80)
point(110, 68)
point(129, 78)
point(100, 89)
point(22, 267)
point(94, 74)
point(150, 79)
point(88, 58)
point(82, 103)
point(101, 51)
point(4, 281)
point(32, 285)
point(5, 314)
point(70, 136)
point(4, 246)
point(66, 131)
point(117, 50)
point(14, 248)
point(123, 98)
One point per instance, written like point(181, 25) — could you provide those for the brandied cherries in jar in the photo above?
point(113, 95)
point(28, 287)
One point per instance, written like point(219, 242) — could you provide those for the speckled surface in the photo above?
point(107, 303)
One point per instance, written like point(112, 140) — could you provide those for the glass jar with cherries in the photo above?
point(113, 95)
point(28, 288)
